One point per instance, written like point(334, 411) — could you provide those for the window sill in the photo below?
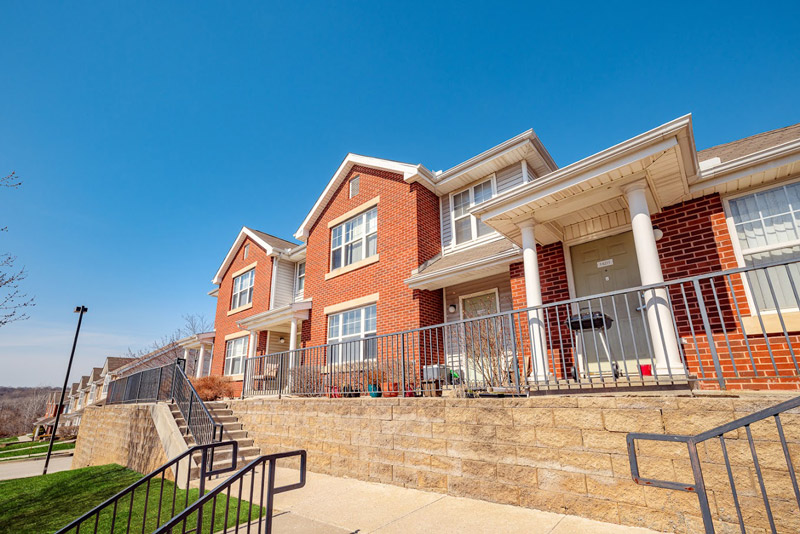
point(240, 309)
point(234, 378)
point(352, 267)
point(772, 323)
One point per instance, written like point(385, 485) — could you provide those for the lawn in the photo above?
point(9, 440)
point(25, 449)
point(41, 504)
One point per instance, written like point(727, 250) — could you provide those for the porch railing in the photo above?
point(739, 326)
point(168, 383)
point(773, 486)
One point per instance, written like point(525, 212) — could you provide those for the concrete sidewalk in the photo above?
point(29, 468)
point(332, 505)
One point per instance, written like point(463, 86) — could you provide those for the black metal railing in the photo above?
point(155, 498)
point(169, 383)
point(736, 326)
point(764, 518)
point(254, 490)
point(199, 420)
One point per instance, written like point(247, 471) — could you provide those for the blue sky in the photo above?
point(148, 133)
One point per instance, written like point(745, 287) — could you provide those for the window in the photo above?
point(465, 226)
point(246, 250)
point(768, 229)
point(354, 186)
point(235, 352)
point(243, 289)
point(301, 277)
point(354, 331)
point(355, 240)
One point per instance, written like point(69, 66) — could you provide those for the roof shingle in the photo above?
point(749, 145)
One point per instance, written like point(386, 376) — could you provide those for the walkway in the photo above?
point(30, 468)
point(332, 505)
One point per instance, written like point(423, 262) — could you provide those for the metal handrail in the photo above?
point(204, 421)
point(698, 485)
point(711, 301)
point(263, 502)
point(206, 470)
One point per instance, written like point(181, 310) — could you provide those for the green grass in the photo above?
point(46, 503)
point(24, 445)
point(9, 440)
point(39, 448)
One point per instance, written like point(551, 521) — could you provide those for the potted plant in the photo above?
point(374, 380)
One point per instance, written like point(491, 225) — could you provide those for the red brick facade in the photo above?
point(225, 324)
point(408, 235)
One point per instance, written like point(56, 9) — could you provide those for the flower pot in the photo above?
point(374, 390)
point(392, 390)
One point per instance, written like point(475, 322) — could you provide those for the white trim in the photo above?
point(237, 335)
point(454, 245)
point(352, 267)
point(525, 176)
point(411, 173)
point(350, 304)
point(272, 283)
point(244, 233)
point(762, 160)
point(478, 294)
point(244, 270)
point(424, 281)
point(354, 212)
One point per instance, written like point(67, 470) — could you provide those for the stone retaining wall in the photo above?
point(564, 454)
point(122, 434)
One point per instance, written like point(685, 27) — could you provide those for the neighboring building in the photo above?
point(44, 425)
point(391, 246)
point(110, 367)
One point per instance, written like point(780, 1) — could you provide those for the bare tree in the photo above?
point(18, 413)
point(12, 300)
point(195, 324)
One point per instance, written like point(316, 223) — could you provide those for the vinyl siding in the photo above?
point(275, 344)
point(284, 284)
point(447, 227)
point(509, 177)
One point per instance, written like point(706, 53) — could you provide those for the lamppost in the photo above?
point(80, 310)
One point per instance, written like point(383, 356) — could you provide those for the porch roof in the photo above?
point(196, 341)
point(277, 317)
point(463, 266)
point(586, 196)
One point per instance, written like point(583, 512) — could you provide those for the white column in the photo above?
point(659, 317)
point(533, 297)
point(293, 334)
point(251, 347)
point(185, 355)
point(200, 360)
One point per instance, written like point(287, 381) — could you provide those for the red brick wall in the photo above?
point(225, 324)
point(408, 234)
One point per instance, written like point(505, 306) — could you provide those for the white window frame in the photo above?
point(364, 239)
point(363, 335)
point(739, 253)
point(246, 250)
point(244, 341)
point(299, 278)
point(236, 300)
point(473, 220)
point(354, 183)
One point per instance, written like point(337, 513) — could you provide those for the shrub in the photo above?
point(211, 388)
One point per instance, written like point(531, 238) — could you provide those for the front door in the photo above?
point(602, 266)
point(485, 342)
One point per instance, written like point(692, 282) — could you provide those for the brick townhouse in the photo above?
point(391, 246)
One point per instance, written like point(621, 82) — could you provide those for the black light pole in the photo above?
point(81, 310)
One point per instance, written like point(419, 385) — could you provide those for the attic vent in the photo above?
point(354, 186)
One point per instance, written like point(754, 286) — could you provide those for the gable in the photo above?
point(271, 245)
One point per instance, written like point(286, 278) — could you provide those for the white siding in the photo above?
point(509, 177)
point(284, 284)
point(275, 344)
point(447, 227)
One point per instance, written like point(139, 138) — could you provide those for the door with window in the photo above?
point(602, 266)
point(485, 341)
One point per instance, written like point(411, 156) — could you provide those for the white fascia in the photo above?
point(660, 138)
point(411, 173)
point(244, 233)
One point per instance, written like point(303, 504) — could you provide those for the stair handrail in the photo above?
point(206, 470)
point(698, 485)
point(267, 483)
point(199, 430)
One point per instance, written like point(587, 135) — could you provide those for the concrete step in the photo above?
point(220, 412)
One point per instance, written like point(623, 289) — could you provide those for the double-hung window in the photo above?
point(352, 334)
point(235, 352)
point(465, 226)
point(355, 239)
point(767, 226)
point(243, 289)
